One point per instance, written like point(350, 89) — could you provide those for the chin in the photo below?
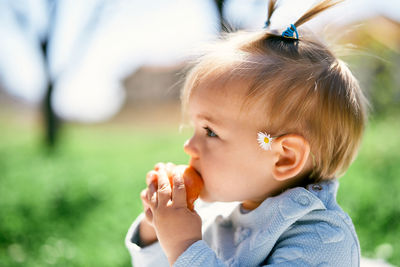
point(206, 200)
point(206, 197)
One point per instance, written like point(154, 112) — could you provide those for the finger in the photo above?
point(169, 167)
point(152, 195)
point(158, 166)
point(151, 177)
point(164, 188)
point(144, 195)
point(179, 191)
point(149, 214)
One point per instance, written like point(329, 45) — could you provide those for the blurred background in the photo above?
point(89, 102)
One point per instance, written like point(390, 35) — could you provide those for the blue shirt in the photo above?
point(299, 227)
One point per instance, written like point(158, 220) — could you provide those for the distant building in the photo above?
point(154, 84)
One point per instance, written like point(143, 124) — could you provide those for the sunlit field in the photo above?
point(73, 206)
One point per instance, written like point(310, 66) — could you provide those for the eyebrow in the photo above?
point(209, 119)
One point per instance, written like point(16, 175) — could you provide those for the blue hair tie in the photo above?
point(289, 32)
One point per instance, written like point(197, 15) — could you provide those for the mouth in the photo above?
point(198, 172)
point(194, 166)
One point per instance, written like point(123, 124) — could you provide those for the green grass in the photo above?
point(74, 206)
point(369, 191)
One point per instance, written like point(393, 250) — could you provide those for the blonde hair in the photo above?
point(304, 88)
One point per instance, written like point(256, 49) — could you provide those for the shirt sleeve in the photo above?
point(323, 243)
point(197, 255)
point(151, 255)
point(306, 243)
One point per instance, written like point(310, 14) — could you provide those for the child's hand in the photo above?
point(193, 182)
point(146, 229)
point(176, 226)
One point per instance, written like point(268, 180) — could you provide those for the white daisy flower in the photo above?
point(264, 140)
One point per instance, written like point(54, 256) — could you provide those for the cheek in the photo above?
point(211, 151)
point(247, 163)
point(222, 159)
point(221, 169)
point(214, 166)
point(238, 160)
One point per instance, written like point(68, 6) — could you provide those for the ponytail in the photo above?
point(271, 9)
point(315, 10)
point(311, 13)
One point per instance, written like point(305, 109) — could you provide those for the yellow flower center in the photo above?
point(266, 140)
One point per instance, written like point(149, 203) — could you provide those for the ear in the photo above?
point(291, 153)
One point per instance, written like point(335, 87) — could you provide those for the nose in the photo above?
point(190, 149)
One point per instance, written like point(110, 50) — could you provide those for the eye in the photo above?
point(210, 133)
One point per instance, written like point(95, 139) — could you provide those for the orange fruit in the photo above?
point(191, 178)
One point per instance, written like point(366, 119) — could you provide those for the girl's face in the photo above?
point(224, 148)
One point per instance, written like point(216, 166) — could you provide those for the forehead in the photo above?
point(223, 103)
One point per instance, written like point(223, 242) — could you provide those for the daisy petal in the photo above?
point(264, 140)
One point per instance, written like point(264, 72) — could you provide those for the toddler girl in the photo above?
point(277, 119)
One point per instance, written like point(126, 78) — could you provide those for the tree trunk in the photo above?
point(220, 7)
point(50, 120)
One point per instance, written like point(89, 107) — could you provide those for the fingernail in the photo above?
point(152, 187)
point(178, 177)
point(158, 166)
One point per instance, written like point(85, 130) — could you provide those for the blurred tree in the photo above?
point(86, 29)
point(384, 90)
point(51, 121)
point(85, 49)
point(222, 21)
point(227, 25)
point(24, 17)
point(33, 23)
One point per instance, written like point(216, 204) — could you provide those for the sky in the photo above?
point(89, 62)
